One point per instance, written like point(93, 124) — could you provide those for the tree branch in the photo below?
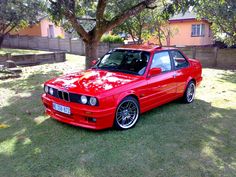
point(100, 10)
point(4, 27)
point(223, 29)
point(117, 20)
point(10, 29)
point(77, 26)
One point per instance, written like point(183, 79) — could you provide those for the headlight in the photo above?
point(51, 91)
point(83, 99)
point(93, 101)
point(46, 89)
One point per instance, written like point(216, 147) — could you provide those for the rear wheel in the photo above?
point(189, 92)
point(127, 113)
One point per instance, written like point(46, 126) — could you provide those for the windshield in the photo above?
point(127, 61)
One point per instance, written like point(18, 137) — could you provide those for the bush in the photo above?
point(112, 39)
point(59, 37)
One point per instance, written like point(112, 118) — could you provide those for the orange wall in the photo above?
point(41, 29)
point(58, 31)
point(34, 30)
point(182, 34)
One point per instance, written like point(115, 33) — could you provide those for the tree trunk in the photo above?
point(91, 52)
point(1, 40)
point(140, 37)
point(159, 35)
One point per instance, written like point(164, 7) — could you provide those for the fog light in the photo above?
point(90, 119)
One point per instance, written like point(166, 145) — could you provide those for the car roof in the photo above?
point(145, 47)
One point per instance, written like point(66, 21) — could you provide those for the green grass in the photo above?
point(4, 51)
point(176, 139)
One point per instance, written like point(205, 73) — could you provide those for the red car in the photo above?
point(123, 84)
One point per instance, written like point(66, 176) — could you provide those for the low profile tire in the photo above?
point(189, 93)
point(127, 113)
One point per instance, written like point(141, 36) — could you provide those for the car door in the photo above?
point(182, 69)
point(161, 88)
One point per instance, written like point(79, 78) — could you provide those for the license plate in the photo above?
point(60, 108)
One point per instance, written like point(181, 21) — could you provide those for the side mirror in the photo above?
point(154, 71)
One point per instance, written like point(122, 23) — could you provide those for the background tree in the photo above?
point(135, 27)
point(152, 24)
point(161, 30)
point(101, 12)
point(222, 15)
point(15, 14)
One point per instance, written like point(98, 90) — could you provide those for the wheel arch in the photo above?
point(127, 94)
point(134, 96)
point(189, 80)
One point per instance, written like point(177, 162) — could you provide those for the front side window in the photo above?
point(161, 60)
point(179, 59)
point(198, 30)
point(127, 61)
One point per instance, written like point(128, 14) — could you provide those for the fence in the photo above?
point(209, 56)
point(33, 59)
point(212, 56)
point(44, 43)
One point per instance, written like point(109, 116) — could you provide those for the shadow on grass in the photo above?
point(172, 140)
point(229, 77)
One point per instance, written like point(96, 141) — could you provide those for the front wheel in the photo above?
point(127, 113)
point(189, 92)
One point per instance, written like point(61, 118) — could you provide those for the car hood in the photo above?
point(92, 81)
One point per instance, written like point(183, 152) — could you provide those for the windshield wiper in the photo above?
point(117, 70)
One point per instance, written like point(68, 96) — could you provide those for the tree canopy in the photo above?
point(152, 23)
point(222, 15)
point(92, 18)
point(17, 14)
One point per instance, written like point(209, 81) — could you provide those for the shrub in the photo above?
point(59, 37)
point(112, 39)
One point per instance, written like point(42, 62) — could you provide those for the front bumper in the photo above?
point(81, 115)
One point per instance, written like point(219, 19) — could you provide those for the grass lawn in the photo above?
point(4, 51)
point(176, 139)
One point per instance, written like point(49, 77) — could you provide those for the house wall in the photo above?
point(34, 30)
point(182, 34)
point(40, 30)
point(44, 24)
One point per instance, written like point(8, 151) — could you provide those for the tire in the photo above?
point(189, 93)
point(127, 113)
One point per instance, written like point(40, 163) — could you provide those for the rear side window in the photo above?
point(179, 60)
point(161, 60)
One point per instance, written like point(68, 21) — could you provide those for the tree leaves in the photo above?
point(222, 15)
point(15, 14)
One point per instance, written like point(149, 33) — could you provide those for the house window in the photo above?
point(198, 30)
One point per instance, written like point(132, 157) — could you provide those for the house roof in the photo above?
point(42, 17)
point(186, 16)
